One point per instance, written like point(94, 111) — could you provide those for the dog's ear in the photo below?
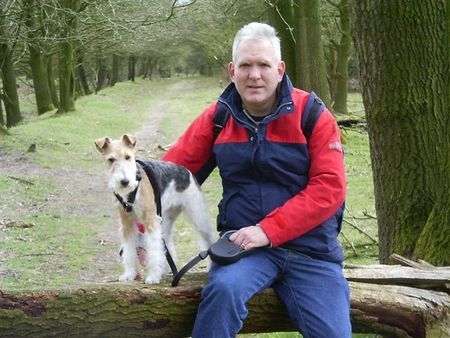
point(129, 140)
point(102, 143)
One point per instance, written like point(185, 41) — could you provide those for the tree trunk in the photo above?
point(66, 78)
point(2, 119)
point(9, 95)
point(102, 74)
point(281, 16)
point(81, 77)
point(133, 309)
point(315, 53)
point(115, 69)
point(38, 70)
point(51, 80)
point(339, 96)
point(66, 57)
point(302, 61)
point(403, 55)
point(131, 67)
point(40, 81)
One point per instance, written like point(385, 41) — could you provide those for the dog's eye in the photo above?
point(111, 160)
point(127, 157)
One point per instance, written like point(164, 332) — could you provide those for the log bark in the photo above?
point(134, 309)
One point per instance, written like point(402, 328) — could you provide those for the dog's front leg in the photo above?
point(129, 254)
point(153, 242)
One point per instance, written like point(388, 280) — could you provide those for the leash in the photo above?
point(223, 252)
point(128, 206)
point(201, 256)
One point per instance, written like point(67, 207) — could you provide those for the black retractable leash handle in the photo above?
point(222, 252)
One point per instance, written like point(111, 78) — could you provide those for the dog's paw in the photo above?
point(126, 277)
point(152, 279)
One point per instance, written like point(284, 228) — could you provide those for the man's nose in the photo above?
point(255, 73)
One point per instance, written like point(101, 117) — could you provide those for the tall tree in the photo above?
point(339, 73)
point(70, 9)
point(281, 16)
point(403, 51)
point(9, 94)
point(37, 64)
point(310, 48)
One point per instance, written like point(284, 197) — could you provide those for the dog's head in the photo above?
point(120, 158)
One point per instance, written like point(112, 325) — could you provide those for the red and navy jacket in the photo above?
point(271, 174)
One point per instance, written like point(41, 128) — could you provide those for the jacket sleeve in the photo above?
point(324, 193)
point(193, 149)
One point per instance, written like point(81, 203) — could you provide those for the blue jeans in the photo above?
point(315, 293)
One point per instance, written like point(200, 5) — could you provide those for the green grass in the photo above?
point(60, 135)
point(48, 253)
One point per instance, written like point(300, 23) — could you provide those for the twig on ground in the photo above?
point(21, 180)
point(361, 231)
point(350, 243)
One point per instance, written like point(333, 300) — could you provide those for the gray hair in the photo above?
point(258, 31)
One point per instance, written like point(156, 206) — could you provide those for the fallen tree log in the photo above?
point(436, 279)
point(134, 309)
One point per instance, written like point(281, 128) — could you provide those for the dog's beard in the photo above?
point(127, 173)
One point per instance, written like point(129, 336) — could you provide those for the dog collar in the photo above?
point(128, 203)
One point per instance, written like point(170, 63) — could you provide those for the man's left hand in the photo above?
point(250, 237)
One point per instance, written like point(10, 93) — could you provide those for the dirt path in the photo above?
point(82, 192)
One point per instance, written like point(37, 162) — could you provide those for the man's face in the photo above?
point(256, 75)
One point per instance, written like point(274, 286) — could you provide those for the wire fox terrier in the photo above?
point(143, 187)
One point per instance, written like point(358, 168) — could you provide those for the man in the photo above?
point(283, 194)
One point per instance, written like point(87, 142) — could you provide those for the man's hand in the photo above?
point(250, 237)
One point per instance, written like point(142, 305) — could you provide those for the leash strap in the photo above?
point(201, 256)
point(169, 258)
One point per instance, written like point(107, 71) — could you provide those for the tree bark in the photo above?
point(131, 67)
point(38, 69)
point(302, 61)
point(102, 74)
point(133, 309)
point(2, 120)
point(66, 78)
point(316, 57)
point(66, 57)
point(339, 93)
point(281, 16)
point(51, 79)
point(81, 77)
point(403, 55)
point(9, 95)
point(115, 68)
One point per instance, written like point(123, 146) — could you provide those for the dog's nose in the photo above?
point(124, 182)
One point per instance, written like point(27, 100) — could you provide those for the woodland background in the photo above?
point(395, 52)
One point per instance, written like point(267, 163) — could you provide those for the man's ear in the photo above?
point(281, 70)
point(102, 143)
point(231, 71)
point(129, 140)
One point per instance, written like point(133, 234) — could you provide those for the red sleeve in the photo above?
point(194, 148)
point(325, 192)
